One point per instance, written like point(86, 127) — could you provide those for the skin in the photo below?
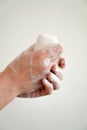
point(50, 84)
point(21, 77)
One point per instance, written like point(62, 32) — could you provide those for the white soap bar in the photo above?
point(44, 41)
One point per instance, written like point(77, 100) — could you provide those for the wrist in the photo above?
point(7, 89)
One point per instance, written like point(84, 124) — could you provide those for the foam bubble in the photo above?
point(45, 40)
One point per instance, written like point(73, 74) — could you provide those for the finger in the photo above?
point(52, 52)
point(57, 71)
point(47, 86)
point(56, 50)
point(39, 92)
point(62, 62)
point(54, 80)
point(32, 94)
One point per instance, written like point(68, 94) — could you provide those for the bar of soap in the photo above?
point(44, 41)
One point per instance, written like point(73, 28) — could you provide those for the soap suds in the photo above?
point(46, 62)
point(44, 41)
point(13, 69)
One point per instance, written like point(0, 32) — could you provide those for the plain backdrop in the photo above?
point(20, 23)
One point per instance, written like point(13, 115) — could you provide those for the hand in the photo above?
point(27, 70)
point(24, 75)
point(50, 83)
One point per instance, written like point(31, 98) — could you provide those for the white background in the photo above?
point(20, 23)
